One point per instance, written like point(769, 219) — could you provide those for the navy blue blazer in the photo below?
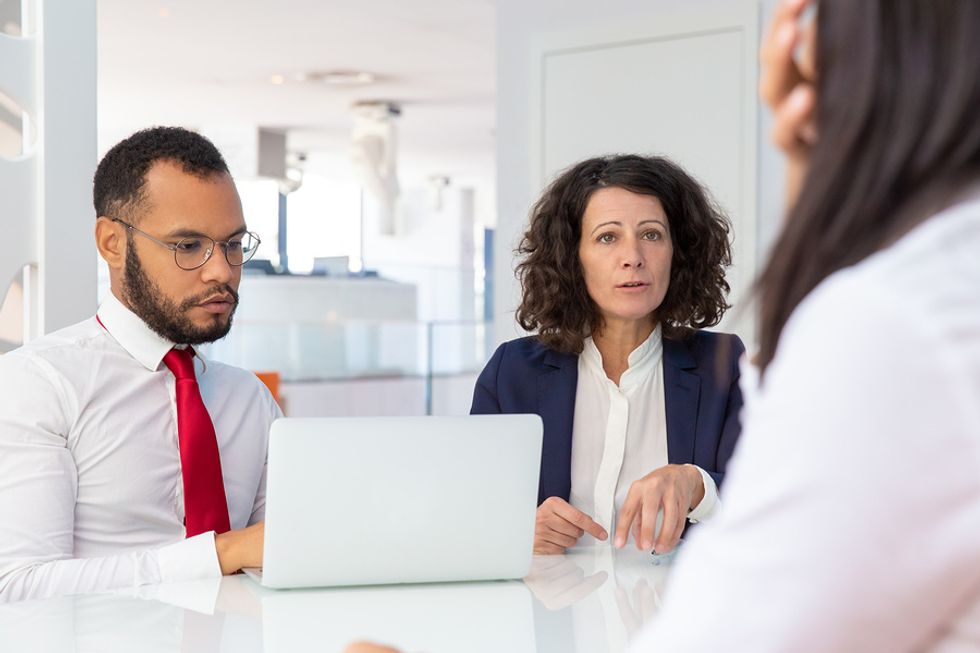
point(702, 401)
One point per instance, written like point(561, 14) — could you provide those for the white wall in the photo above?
point(525, 158)
point(433, 248)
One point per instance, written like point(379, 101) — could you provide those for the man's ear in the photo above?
point(110, 239)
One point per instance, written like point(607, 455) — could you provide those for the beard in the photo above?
point(164, 316)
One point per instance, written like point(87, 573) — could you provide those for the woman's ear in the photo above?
point(111, 242)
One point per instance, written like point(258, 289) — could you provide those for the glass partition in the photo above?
point(440, 360)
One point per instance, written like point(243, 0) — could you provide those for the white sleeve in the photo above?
point(709, 503)
point(38, 485)
point(851, 520)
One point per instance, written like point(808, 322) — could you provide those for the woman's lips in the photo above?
point(639, 287)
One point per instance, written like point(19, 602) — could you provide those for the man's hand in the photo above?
point(787, 86)
point(240, 549)
point(559, 525)
point(675, 489)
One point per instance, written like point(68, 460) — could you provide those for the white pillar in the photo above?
point(46, 212)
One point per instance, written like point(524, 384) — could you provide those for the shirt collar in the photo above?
point(133, 334)
point(650, 350)
point(642, 360)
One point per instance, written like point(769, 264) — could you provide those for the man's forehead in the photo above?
point(169, 172)
point(180, 201)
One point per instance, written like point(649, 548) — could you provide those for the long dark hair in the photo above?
point(555, 301)
point(898, 118)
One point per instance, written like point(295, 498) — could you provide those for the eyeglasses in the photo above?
point(194, 251)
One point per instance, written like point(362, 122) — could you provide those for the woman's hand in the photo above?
point(787, 86)
point(673, 489)
point(559, 525)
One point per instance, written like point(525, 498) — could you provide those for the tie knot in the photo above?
point(181, 363)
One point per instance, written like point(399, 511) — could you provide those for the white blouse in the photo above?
point(619, 433)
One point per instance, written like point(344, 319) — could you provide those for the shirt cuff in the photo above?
point(709, 502)
point(191, 559)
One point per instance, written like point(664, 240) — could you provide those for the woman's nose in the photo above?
point(632, 258)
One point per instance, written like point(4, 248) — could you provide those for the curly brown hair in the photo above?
point(555, 301)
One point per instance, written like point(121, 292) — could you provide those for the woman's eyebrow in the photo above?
point(618, 224)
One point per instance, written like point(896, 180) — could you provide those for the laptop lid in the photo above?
point(378, 500)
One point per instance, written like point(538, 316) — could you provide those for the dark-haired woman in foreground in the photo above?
point(852, 508)
point(623, 264)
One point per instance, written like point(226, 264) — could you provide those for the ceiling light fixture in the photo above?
point(348, 78)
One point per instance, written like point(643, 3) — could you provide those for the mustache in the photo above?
point(223, 289)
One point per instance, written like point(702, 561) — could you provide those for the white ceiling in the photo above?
point(208, 62)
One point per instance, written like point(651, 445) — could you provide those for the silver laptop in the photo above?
point(378, 500)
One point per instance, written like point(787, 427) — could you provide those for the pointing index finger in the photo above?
point(575, 516)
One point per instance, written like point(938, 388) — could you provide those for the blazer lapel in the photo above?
point(682, 392)
point(556, 405)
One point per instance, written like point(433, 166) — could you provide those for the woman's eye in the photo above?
point(606, 238)
point(652, 235)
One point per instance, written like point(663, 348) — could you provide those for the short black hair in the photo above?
point(120, 179)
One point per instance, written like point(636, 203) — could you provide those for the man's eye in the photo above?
point(234, 245)
point(189, 245)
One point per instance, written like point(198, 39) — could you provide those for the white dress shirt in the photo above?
point(619, 434)
point(90, 478)
point(852, 504)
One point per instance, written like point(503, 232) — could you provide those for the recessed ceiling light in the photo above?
point(348, 77)
point(164, 12)
point(331, 77)
point(341, 77)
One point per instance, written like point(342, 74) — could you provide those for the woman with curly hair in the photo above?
point(623, 265)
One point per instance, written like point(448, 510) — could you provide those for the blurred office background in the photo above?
point(386, 152)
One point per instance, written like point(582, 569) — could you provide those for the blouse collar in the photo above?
point(643, 360)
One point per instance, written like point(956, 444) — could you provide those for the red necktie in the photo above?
point(205, 505)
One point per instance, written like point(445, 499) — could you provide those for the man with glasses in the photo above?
point(125, 457)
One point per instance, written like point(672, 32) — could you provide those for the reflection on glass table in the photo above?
point(588, 600)
point(595, 599)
